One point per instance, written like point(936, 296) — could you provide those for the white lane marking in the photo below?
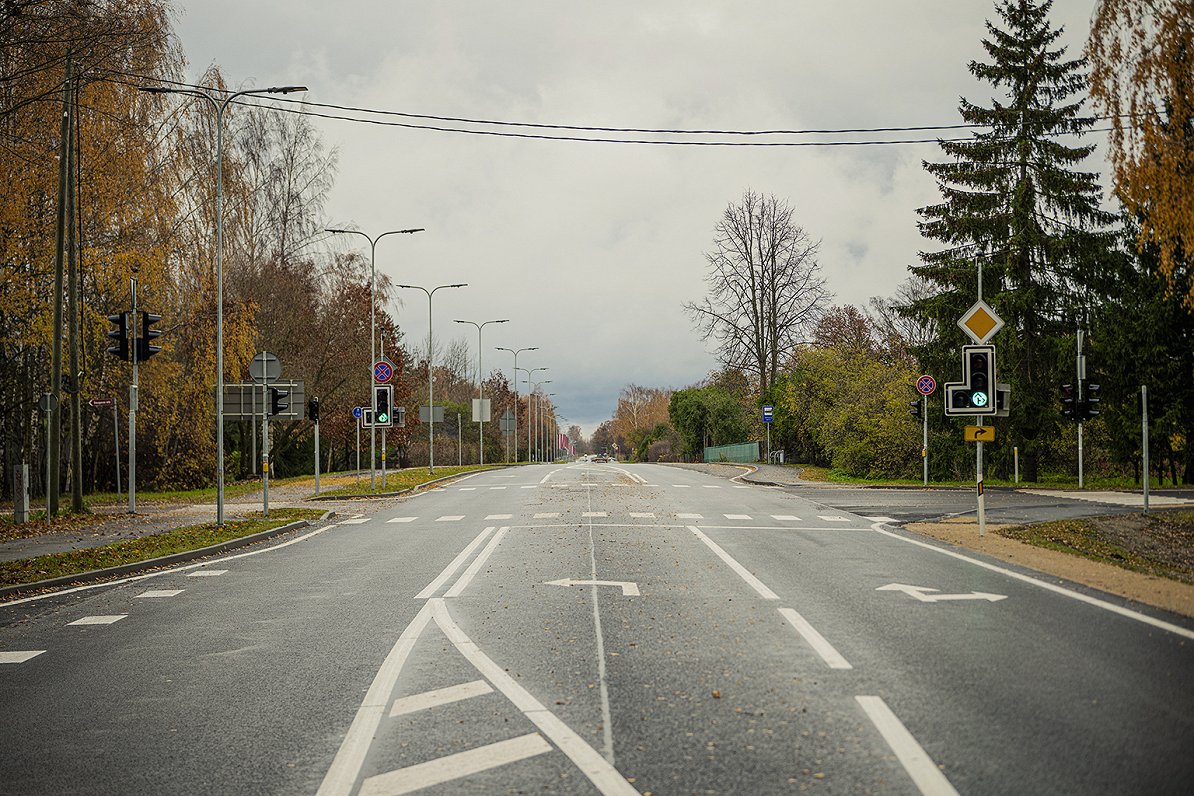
point(440, 696)
point(499, 516)
point(604, 776)
point(880, 519)
point(607, 721)
point(360, 521)
point(432, 587)
point(690, 517)
point(402, 519)
point(711, 486)
point(478, 562)
point(921, 593)
point(450, 518)
point(738, 517)
point(1115, 498)
point(1095, 601)
point(815, 640)
point(468, 489)
point(925, 775)
point(681, 486)
point(548, 515)
point(454, 766)
point(642, 515)
point(160, 593)
point(346, 766)
point(629, 588)
point(785, 517)
point(530, 486)
point(505, 476)
point(497, 487)
point(18, 656)
point(549, 475)
point(207, 573)
point(594, 514)
point(833, 518)
point(743, 573)
point(98, 620)
point(740, 486)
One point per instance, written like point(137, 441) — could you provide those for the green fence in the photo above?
point(741, 452)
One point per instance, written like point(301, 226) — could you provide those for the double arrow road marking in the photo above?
point(923, 594)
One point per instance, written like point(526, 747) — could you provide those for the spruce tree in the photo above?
point(1013, 197)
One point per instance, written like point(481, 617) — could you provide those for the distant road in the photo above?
point(598, 628)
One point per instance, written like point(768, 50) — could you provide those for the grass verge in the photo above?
point(399, 480)
point(180, 540)
point(1160, 544)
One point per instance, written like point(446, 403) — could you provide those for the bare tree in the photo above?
point(897, 329)
point(765, 287)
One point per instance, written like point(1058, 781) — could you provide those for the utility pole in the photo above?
point(132, 335)
point(1081, 372)
point(72, 278)
point(55, 411)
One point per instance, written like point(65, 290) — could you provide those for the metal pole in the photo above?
point(132, 334)
point(430, 388)
point(265, 407)
point(459, 441)
point(1016, 458)
point(982, 498)
point(220, 310)
point(1144, 439)
point(116, 438)
point(924, 448)
point(372, 360)
point(317, 455)
point(1081, 377)
point(358, 450)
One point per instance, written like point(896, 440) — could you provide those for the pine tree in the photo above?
point(1013, 197)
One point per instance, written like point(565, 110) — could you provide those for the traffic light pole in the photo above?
point(317, 448)
point(924, 445)
point(1081, 379)
point(265, 410)
point(132, 336)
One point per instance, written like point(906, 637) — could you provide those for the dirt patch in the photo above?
point(1160, 592)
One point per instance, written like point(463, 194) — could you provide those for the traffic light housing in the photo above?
point(1069, 405)
point(1089, 408)
point(383, 399)
point(278, 401)
point(313, 410)
point(975, 394)
point(917, 409)
point(145, 346)
point(121, 335)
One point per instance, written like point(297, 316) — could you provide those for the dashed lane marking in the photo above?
point(594, 514)
point(833, 518)
point(160, 593)
point(548, 515)
point(499, 516)
point(742, 571)
point(681, 486)
point(642, 515)
point(880, 519)
point(440, 696)
point(455, 766)
point(450, 518)
point(98, 620)
point(711, 486)
point(402, 519)
point(19, 656)
point(497, 487)
point(925, 775)
point(785, 517)
point(530, 486)
point(737, 516)
point(690, 517)
point(207, 573)
point(360, 521)
point(815, 640)
point(468, 489)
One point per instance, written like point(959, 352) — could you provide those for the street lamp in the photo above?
point(372, 336)
point(220, 106)
point(530, 425)
point(516, 352)
point(430, 372)
point(548, 443)
point(535, 424)
point(480, 388)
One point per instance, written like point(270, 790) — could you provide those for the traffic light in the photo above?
point(1090, 402)
point(975, 394)
point(917, 409)
point(145, 348)
point(121, 335)
point(1068, 404)
point(382, 399)
point(313, 410)
point(278, 402)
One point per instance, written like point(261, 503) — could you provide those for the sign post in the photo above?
point(97, 403)
point(925, 385)
point(768, 418)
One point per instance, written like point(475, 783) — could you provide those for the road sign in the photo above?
point(425, 414)
point(265, 367)
point(48, 401)
point(397, 418)
point(246, 400)
point(97, 403)
point(768, 414)
point(925, 385)
point(357, 412)
point(383, 370)
point(980, 322)
point(481, 410)
point(980, 433)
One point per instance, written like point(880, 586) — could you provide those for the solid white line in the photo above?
point(450, 570)
point(98, 620)
point(1095, 601)
point(750, 579)
point(478, 562)
point(440, 696)
point(549, 475)
point(607, 722)
point(815, 640)
point(346, 766)
point(455, 766)
point(604, 777)
point(925, 775)
point(19, 656)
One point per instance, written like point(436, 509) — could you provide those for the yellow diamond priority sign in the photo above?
point(980, 322)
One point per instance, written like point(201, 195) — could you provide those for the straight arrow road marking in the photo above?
point(629, 589)
point(922, 594)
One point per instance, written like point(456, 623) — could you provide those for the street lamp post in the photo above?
point(549, 444)
point(431, 372)
point(516, 352)
point(373, 336)
point(220, 106)
point(480, 388)
point(530, 398)
point(535, 425)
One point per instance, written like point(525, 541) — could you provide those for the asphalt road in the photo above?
point(738, 639)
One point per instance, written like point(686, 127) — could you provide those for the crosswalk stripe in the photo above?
point(547, 515)
point(455, 766)
point(594, 514)
point(690, 517)
point(402, 519)
point(499, 516)
point(98, 620)
point(833, 518)
point(358, 521)
point(738, 517)
point(206, 573)
point(160, 593)
point(450, 518)
point(642, 515)
point(785, 517)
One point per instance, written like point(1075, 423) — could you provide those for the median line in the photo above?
point(924, 772)
point(815, 640)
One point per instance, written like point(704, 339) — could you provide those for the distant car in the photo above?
point(603, 458)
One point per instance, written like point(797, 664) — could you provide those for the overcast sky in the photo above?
point(590, 249)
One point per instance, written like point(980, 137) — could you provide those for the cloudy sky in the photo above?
point(590, 249)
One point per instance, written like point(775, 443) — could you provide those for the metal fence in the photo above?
point(740, 452)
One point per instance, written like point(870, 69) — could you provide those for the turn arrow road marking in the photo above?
point(629, 589)
point(922, 593)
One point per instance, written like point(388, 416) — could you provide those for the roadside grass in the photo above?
point(74, 562)
point(812, 472)
point(398, 480)
point(1160, 544)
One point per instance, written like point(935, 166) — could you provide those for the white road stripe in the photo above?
point(19, 656)
point(594, 514)
point(604, 776)
point(711, 486)
point(737, 516)
point(432, 587)
point(785, 517)
point(815, 640)
point(690, 517)
point(681, 486)
point(461, 764)
point(548, 515)
point(468, 489)
point(440, 696)
point(160, 593)
point(743, 573)
point(879, 519)
point(360, 521)
point(531, 486)
point(497, 487)
point(642, 515)
point(499, 516)
point(207, 573)
point(98, 620)
point(478, 562)
point(833, 518)
point(402, 519)
point(925, 775)
point(450, 518)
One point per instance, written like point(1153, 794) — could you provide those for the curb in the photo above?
point(154, 563)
